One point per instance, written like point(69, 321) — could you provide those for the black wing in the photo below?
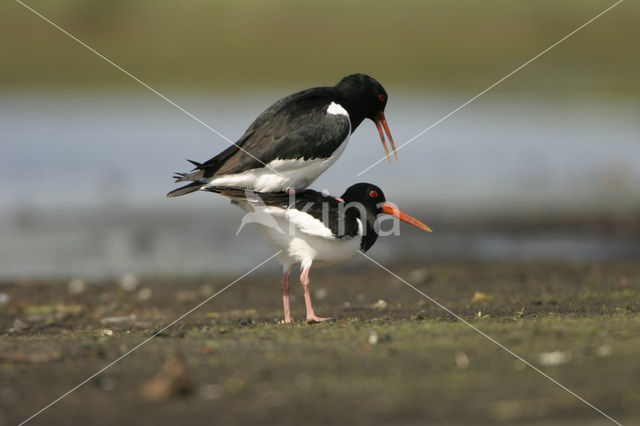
point(296, 126)
point(330, 211)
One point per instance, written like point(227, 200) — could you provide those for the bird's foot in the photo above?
point(313, 319)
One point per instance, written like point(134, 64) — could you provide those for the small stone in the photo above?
point(320, 294)
point(18, 325)
point(4, 298)
point(76, 286)
point(115, 320)
point(462, 361)
point(554, 358)
point(418, 316)
point(206, 290)
point(419, 276)
point(604, 350)
point(380, 304)
point(479, 297)
point(186, 296)
point(128, 282)
point(173, 379)
point(210, 391)
point(107, 332)
point(107, 384)
point(144, 294)
point(373, 337)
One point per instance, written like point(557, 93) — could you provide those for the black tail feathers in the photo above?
point(187, 189)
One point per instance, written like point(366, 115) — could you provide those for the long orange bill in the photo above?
point(395, 212)
point(381, 122)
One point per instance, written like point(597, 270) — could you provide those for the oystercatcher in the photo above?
point(295, 140)
point(311, 228)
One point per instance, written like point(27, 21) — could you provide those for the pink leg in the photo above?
point(304, 280)
point(285, 298)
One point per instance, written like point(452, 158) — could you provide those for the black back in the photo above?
point(297, 126)
point(340, 217)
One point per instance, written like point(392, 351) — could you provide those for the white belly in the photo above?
point(303, 239)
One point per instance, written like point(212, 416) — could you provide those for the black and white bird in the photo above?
point(295, 140)
point(309, 228)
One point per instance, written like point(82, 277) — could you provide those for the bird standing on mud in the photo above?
point(311, 228)
point(295, 140)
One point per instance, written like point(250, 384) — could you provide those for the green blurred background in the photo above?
point(438, 45)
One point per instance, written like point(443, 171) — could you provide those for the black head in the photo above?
point(367, 194)
point(366, 92)
point(364, 97)
point(371, 199)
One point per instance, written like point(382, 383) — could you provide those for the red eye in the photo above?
point(373, 194)
point(381, 97)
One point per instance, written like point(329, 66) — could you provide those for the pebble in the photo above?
point(4, 298)
point(380, 304)
point(210, 391)
point(128, 282)
point(554, 358)
point(173, 379)
point(419, 276)
point(144, 294)
point(206, 290)
point(107, 332)
point(76, 286)
point(462, 360)
point(18, 325)
point(183, 296)
point(115, 320)
point(373, 337)
point(479, 296)
point(604, 350)
point(320, 294)
point(107, 384)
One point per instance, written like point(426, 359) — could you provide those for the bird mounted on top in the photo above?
point(294, 140)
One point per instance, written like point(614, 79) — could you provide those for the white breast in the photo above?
point(336, 109)
point(304, 239)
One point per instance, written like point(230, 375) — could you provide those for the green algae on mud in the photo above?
point(404, 361)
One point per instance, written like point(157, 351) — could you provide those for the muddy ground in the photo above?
point(390, 356)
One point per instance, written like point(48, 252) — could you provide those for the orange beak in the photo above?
point(395, 212)
point(381, 122)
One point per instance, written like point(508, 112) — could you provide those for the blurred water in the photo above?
point(85, 176)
